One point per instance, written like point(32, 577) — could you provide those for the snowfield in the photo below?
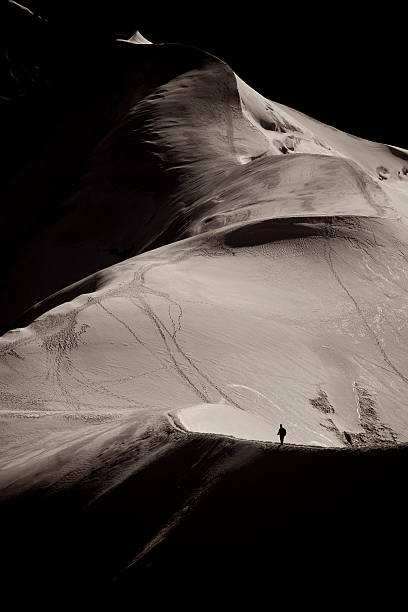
point(285, 301)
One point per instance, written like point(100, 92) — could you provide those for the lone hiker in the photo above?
point(281, 433)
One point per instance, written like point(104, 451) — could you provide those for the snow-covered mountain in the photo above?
point(261, 278)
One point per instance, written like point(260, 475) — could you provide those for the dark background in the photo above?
point(343, 66)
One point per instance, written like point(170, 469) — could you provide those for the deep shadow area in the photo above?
point(273, 230)
point(90, 187)
point(211, 510)
point(87, 285)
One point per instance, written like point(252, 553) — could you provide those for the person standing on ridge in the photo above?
point(281, 433)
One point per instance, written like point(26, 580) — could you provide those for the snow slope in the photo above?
point(268, 281)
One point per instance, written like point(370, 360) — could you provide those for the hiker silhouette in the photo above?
point(281, 433)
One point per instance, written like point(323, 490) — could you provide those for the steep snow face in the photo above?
point(189, 147)
point(289, 131)
point(279, 298)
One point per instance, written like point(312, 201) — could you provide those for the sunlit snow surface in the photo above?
point(230, 421)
